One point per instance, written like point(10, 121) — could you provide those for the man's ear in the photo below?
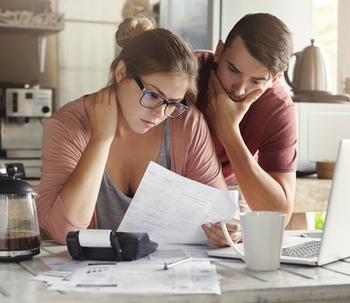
point(120, 71)
point(275, 78)
point(218, 51)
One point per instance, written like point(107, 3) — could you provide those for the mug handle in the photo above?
point(228, 238)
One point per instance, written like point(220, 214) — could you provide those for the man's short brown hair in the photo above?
point(266, 38)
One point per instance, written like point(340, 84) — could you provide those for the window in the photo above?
point(326, 33)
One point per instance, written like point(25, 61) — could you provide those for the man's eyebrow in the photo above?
point(238, 71)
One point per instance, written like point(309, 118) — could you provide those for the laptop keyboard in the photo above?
point(304, 250)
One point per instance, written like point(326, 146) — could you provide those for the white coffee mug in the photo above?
point(262, 233)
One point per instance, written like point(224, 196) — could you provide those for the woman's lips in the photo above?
point(148, 123)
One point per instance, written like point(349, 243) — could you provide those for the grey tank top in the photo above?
point(112, 204)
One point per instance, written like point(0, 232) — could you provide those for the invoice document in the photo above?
point(171, 208)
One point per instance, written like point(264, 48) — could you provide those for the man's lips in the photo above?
point(236, 99)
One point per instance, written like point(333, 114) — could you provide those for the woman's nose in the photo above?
point(159, 111)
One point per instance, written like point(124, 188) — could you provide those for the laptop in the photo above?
point(334, 241)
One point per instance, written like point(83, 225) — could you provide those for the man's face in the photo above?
point(239, 72)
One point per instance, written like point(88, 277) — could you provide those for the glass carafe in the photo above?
point(19, 226)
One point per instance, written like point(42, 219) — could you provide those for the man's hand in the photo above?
point(216, 236)
point(222, 110)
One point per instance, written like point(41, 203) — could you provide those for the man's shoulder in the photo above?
point(206, 59)
point(206, 64)
point(277, 94)
point(204, 54)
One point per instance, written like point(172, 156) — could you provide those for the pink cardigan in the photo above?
point(66, 135)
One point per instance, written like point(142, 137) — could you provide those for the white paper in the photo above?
point(143, 278)
point(172, 208)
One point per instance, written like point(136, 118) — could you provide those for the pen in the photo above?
point(175, 263)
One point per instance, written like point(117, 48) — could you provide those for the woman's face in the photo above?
point(139, 118)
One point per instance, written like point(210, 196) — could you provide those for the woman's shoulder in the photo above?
point(189, 123)
point(191, 117)
point(72, 115)
point(70, 108)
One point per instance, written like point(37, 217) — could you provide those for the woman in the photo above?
point(96, 149)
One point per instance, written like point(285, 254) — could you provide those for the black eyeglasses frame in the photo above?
point(182, 103)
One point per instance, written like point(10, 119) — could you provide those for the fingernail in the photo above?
point(218, 224)
point(208, 225)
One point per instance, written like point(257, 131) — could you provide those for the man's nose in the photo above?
point(239, 88)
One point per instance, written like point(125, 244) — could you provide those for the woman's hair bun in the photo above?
point(131, 27)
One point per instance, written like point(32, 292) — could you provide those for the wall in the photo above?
point(19, 54)
point(296, 14)
point(343, 47)
point(77, 58)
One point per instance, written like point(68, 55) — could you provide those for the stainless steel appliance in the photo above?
point(23, 113)
point(312, 72)
point(323, 119)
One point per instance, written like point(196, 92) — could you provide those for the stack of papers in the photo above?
point(198, 277)
point(171, 209)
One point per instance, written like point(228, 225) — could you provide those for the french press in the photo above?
point(19, 227)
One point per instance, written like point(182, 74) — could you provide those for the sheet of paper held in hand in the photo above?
point(171, 208)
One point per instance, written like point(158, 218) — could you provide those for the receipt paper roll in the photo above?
point(95, 237)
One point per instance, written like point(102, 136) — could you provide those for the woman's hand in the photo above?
point(216, 235)
point(103, 114)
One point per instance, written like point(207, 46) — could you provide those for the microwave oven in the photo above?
point(320, 128)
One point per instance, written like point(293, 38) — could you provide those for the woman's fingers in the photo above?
point(216, 236)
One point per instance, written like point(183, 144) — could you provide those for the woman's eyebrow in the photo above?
point(159, 92)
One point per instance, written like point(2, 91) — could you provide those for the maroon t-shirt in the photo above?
point(268, 128)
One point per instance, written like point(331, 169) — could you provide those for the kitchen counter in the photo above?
point(311, 195)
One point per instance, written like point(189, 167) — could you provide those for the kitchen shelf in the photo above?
point(29, 30)
point(41, 31)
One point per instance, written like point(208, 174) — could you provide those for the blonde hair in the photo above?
point(147, 49)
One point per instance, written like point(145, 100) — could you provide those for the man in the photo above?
point(251, 116)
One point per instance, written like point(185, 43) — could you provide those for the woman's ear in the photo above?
point(120, 71)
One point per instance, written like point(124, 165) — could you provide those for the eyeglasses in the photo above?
point(153, 100)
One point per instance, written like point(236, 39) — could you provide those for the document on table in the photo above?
point(171, 208)
point(143, 278)
point(137, 277)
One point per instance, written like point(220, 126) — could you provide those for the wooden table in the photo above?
point(311, 195)
point(289, 284)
